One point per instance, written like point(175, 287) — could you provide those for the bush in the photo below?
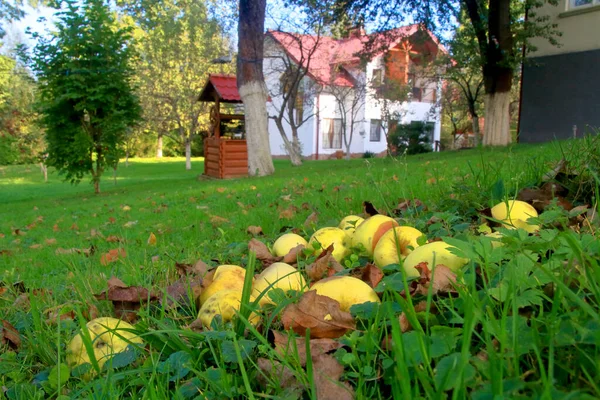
point(368, 154)
point(413, 138)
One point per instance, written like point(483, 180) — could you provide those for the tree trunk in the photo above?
point(251, 85)
point(188, 153)
point(96, 186)
point(291, 147)
point(497, 121)
point(127, 158)
point(476, 131)
point(159, 146)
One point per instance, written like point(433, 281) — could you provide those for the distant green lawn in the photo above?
point(177, 205)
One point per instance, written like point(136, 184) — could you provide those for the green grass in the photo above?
point(501, 336)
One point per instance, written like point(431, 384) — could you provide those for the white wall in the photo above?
point(273, 66)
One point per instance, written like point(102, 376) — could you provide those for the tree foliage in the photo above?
point(177, 42)
point(21, 140)
point(86, 99)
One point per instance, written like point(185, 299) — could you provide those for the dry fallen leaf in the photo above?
point(292, 256)
point(254, 230)
point(9, 335)
point(289, 212)
point(405, 325)
point(262, 252)
point(370, 273)
point(327, 372)
point(199, 268)
point(286, 344)
point(312, 220)
point(112, 256)
point(324, 266)
point(152, 239)
point(442, 280)
point(178, 293)
point(129, 224)
point(126, 299)
point(275, 373)
point(87, 252)
point(114, 239)
point(50, 241)
point(320, 314)
point(216, 220)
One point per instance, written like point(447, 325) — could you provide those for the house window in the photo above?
point(375, 130)
point(332, 133)
point(417, 93)
point(582, 3)
point(377, 78)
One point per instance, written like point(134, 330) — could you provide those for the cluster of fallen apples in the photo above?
point(379, 237)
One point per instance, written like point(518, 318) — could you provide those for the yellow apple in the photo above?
point(347, 290)
point(399, 238)
point(331, 236)
point(109, 336)
point(514, 214)
point(281, 276)
point(226, 277)
point(496, 239)
point(371, 230)
point(225, 303)
point(287, 242)
point(349, 224)
point(438, 251)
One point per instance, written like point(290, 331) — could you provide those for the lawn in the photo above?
point(522, 321)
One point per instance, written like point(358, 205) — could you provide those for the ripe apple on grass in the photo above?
point(430, 253)
point(514, 214)
point(331, 236)
point(346, 290)
point(368, 233)
point(395, 245)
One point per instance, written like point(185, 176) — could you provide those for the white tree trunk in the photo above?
point(293, 148)
point(476, 132)
point(188, 154)
point(159, 147)
point(254, 96)
point(497, 119)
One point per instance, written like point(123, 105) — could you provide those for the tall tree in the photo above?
point(176, 41)
point(86, 98)
point(500, 28)
point(350, 100)
point(251, 85)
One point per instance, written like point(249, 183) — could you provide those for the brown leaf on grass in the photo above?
point(442, 280)
point(255, 230)
point(289, 212)
point(371, 274)
point(369, 209)
point(286, 344)
point(96, 233)
point(199, 268)
point(405, 325)
point(9, 335)
point(111, 220)
point(216, 220)
point(35, 246)
point(55, 228)
point(50, 241)
point(292, 256)
point(312, 220)
point(18, 232)
point(2, 235)
point(221, 189)
point(59, 313)
point(327, 372)
point(74, 227)
point(87, 252)
point(152, 239)
point(6, 253)
point(112, 256)
point(320, 314)
point(126, 299)
point(405, 204)
point(541, 198)
point(183, 292)
point(282, 376)
point(114, 239)
point(262, 252)
point(324, 266)
point(129, 224)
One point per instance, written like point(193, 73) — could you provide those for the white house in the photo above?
point(337, 72)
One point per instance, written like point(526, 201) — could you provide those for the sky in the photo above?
point(16, 31)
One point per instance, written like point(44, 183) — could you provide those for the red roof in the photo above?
point(326, 58)
point(224, 85)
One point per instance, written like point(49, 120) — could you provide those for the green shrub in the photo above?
point(412, 138)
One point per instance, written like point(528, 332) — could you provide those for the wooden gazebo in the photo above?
point(225, 149)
